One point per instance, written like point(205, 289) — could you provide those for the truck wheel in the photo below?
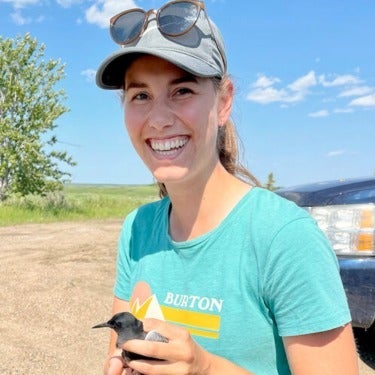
point(365, 340)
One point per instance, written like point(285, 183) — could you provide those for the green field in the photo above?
point(77, 202)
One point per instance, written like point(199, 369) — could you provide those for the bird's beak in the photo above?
point(102, 325)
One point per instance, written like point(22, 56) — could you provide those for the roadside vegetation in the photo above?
point(76, 202)
point(31, 160)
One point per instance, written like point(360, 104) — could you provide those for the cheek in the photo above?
point(210, 110)
point(132, 123)
point(201, 116)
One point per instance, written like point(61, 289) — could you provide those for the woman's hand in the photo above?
point(180, 356)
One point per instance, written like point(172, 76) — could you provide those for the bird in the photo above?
point(128, 327)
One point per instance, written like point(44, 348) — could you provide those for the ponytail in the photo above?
point(227, 146)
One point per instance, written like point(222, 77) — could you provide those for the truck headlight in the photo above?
point(350, 228)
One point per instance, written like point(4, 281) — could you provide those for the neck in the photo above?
point(199, 208)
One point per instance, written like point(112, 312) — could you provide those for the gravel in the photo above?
point(56, 283)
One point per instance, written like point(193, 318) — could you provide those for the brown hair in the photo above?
point(228, 149)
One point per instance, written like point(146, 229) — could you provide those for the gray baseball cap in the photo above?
point(200, 51)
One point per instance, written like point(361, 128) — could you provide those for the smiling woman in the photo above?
point(163, 106)
point(238, 279)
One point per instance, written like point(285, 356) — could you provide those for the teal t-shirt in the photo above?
point(265, 272)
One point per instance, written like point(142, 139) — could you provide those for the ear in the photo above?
point(226, 95)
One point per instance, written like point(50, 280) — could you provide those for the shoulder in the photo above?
point(279, 227)
point(273, 202)
point(147, 213)
point(273, 212)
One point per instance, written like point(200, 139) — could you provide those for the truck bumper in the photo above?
point(358, 277)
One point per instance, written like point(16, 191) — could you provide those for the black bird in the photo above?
point(128, 327)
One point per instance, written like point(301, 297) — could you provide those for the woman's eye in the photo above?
point(184, 91)
point(140, 96)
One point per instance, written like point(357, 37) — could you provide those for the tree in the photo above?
point(29, 107)
point(270, 184)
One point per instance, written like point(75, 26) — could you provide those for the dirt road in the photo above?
point(55, 284)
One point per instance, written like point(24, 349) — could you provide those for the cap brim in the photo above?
point(110, 74)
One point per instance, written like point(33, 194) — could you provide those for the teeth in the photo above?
point(168, 145)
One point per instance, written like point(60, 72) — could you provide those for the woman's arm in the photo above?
point(323, 353)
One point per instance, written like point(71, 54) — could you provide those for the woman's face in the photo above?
point(172, 118)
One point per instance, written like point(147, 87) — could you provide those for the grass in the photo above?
point(77, 202)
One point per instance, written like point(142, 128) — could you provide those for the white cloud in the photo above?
point(339, 80)
point(270, 95)
point(264, 92)
point(356, 91)
point(17, 4)
point(17, 17)
point(266, 95)
point(68, 3)
point(304, 83)
point(364, 101)
point(331, 88)
point(321, 113)
point(101, 12)
point(264, 81)
point(89, 74)
point(20, 20)
point(336, 153)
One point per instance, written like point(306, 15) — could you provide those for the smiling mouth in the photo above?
point(168, 146)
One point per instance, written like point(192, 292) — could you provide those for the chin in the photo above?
point(169, 174)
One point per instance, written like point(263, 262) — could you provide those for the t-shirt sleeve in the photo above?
point(302, 284)
point(123, 264)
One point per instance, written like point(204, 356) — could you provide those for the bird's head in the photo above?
point(126, 325)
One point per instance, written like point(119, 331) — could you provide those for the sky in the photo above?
point(304, 73)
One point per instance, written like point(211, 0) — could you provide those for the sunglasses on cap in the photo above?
point(174, 19)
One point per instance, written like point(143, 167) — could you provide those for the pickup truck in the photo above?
point(345, 211)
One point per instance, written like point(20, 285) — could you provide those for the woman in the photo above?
point(238, 279)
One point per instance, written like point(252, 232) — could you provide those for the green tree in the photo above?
point(29, 107)
point(270, 184)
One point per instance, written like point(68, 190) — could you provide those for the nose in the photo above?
point(161, 115)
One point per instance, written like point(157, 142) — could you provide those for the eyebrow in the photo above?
point(184, 79)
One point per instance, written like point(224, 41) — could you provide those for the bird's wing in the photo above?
point(155, 336)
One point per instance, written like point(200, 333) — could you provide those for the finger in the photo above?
point(115, 365)
point(154, 367)
point(153, 349)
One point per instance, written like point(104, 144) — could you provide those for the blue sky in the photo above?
point(304, 73)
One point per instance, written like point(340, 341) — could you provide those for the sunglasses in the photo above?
point(173, 19)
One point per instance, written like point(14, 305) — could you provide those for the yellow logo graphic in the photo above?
point(198, 323)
